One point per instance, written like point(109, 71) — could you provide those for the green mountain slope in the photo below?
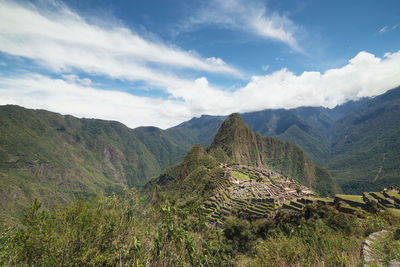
point(191, 181)
point(56, 158)
point(236, 143)
point(366, 145)
point(196, 131)
point(322, 119)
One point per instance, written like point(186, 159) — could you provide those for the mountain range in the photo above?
point(57, 158)
point(236, 144)
point(357, 142)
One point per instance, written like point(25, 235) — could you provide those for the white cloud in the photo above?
point(265, 67)
point(215, 61)
point(69, 97)
point(247, 16)
point(276, 27)
point(364, 75)
point(386, 29)
point(73, 78)
point(63, 41)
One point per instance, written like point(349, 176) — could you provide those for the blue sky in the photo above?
point(162, 62)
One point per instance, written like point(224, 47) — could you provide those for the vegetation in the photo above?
point(241, 176)
point(108, 231)
point(365, 148)
point(387, 247)
point(57, 158)
point(167, 223)
point(355, 198)
point(117, 230)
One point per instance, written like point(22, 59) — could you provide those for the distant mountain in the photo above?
point(365, 153)
point(322, 119)
point(196, 131)
point(57, 158)
point(307, 127)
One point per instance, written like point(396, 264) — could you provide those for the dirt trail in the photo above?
point(380, 168)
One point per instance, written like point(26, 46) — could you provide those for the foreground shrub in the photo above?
point(108, 231)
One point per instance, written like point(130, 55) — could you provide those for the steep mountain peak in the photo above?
point(236, 142)
point(235, 117)
point(232, 126)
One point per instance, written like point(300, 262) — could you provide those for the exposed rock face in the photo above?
point(236, 142)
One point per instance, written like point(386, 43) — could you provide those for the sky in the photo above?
point(163, 62)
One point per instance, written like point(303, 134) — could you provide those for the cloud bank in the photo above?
point(61, 40)
point(70, 96)
point(364, 75)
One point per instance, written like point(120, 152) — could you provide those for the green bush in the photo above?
point(129, 230)
point(239, 233)
point(396, 235)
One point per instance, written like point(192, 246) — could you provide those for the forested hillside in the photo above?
point(57, 158)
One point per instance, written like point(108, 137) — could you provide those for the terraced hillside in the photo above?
point(368, 202)
point(251, 192)
point(255, 192)
point(241, 173)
